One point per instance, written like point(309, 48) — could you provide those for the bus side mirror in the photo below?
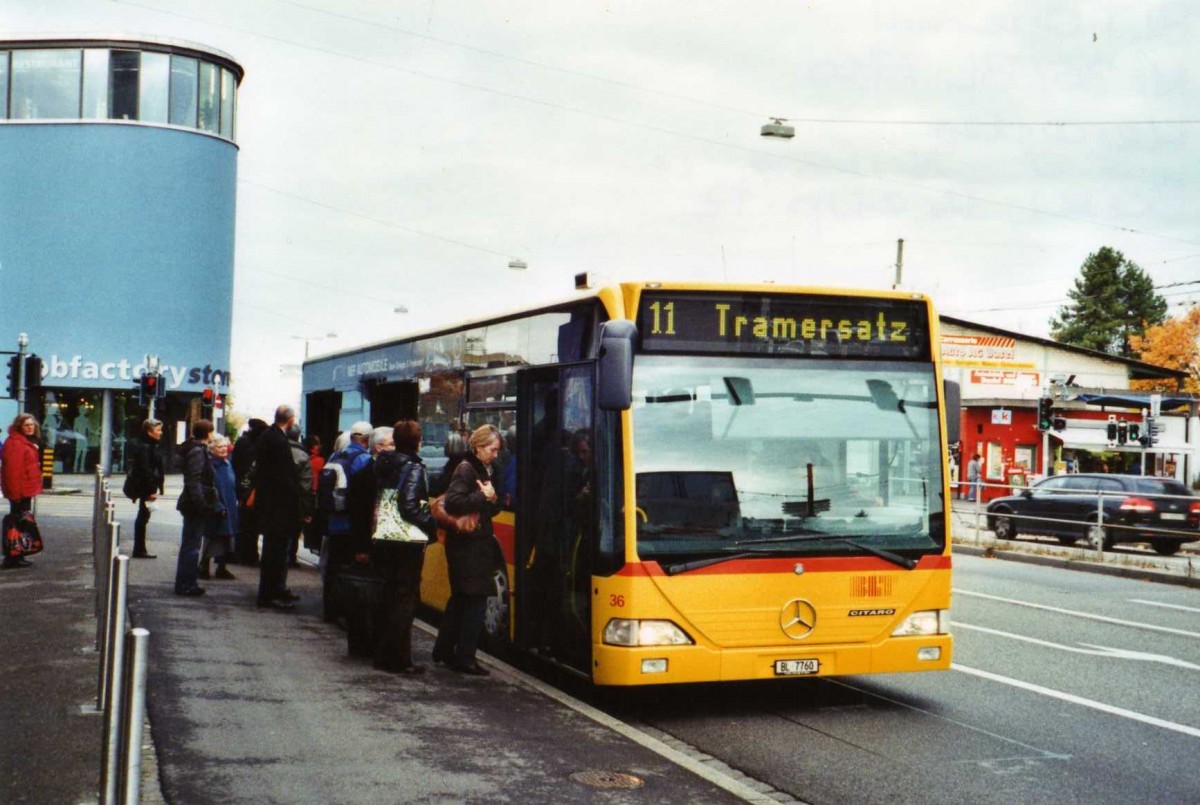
point(953, 396)
point(616, 364)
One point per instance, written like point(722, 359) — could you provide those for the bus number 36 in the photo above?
point(616, 600)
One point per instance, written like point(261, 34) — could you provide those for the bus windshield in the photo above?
point(786, 456)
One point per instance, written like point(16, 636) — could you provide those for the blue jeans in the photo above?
point(187, 570)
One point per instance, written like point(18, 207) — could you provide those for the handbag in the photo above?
point(456, 524)
point(21, 535)
point(390, 525)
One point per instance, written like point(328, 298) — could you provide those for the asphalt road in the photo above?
point(1067, 687)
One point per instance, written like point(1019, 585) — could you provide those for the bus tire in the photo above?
point(496, 617)
point(1166, 547)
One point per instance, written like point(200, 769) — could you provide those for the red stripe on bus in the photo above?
point(849, 564)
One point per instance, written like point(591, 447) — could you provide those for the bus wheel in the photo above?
point(495, 617)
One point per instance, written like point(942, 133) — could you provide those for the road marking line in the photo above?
point(1090, 648)
point(1073, 699)
point(1078, 614)
point(1166, 606)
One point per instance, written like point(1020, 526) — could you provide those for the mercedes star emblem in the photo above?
point(798, 618)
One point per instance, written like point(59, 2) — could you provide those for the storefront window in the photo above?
point(184, 76)
point(95, 84)
point(154, 87)
point(45, 84)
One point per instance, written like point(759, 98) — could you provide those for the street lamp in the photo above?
point(778, 127)
point(307, 339)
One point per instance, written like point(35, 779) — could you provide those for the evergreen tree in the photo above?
point(1113, 299)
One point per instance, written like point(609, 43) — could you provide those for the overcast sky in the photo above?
point(401, 154)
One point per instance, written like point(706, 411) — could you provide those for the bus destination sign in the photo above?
point(800, 325)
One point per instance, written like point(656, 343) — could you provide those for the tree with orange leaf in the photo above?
point(1174, 344)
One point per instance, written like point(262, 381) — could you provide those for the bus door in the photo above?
point(556, 513)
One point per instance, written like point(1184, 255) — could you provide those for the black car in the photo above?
point(1068, 507)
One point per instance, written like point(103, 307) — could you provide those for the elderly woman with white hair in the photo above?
point(218, 535)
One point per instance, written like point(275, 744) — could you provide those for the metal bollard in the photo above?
point(134, 716)
point(106, 549)
point(104, 625)
point(113, 677)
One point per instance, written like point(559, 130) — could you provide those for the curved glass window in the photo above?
point(185, 74)
point(95, 85)
point(152, 86)
point(45, 84)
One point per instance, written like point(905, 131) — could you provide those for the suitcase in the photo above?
point(359, 596)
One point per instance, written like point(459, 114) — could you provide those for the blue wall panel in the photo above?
point(117, 241)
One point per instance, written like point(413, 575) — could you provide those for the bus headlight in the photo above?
point(925, 622)
point(629, 632)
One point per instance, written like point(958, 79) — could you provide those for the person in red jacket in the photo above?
point(21, 471)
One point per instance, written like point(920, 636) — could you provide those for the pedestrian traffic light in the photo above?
point(148, 388)
point(1045, 420)
point(207, 398)
point(14, 375)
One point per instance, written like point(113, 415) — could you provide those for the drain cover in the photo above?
point(598, 778)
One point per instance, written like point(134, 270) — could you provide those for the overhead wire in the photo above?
point(661, 130)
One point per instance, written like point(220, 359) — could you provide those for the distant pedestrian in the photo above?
point(197, 502)
point(975, 477)
point(21, 472)
point(314, 530)
point(218, 537)
point(472, 559)
point(144, 483)
point(246, 540)
point(399, 563)
point(277, 505)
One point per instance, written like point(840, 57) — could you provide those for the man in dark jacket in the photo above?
point(277, 506)
point(246, 540)
point(197, 502)
point(145, 483)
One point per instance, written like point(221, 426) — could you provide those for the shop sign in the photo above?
point(1005, 377)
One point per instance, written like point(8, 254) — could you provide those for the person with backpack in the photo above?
point(197, 503)
point(144, 483)
point(333, 503)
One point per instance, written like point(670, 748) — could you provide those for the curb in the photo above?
point(1139, 574)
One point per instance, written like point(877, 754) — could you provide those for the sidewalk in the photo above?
point(250, 705)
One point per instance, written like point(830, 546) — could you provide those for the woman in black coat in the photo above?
point(471, 558)
point(399, 563)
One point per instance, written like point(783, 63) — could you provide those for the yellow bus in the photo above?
point(701, 482)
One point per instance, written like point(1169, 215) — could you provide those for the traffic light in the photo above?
point(1111, 430)
point(1135, 432)
point(207, 398)
point(1045, 420)
point(1060, 423)
point(14, 376)
point(148, 388)
point(1122, 432)
point(1153, 431)
point(33, 373)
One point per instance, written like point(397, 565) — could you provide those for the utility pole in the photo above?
point(899, 263)
point(22, 342)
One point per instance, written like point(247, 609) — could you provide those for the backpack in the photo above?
point(332, 485)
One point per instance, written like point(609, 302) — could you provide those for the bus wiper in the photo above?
point(684, 567)
point(894, 558)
